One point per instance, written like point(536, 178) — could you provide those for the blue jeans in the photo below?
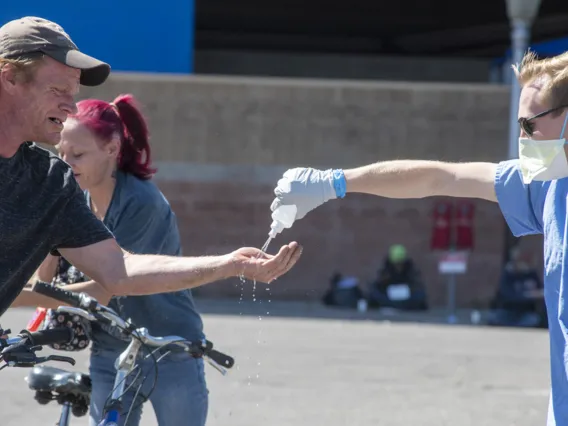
point(180, 396)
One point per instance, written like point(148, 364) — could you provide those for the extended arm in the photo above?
point(419, 179)
point(308, 188)
point(120, 273)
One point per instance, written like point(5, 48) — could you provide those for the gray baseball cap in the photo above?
point(30, 35)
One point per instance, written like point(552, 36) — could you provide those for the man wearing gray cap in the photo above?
point(42, 208)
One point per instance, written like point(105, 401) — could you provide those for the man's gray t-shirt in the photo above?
point(42, 209)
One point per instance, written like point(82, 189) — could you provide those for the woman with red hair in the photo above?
point(106, 145)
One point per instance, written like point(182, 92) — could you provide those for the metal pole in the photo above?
point(520, 33)
point(452, 317)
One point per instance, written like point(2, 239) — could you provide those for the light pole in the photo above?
point(521, 15)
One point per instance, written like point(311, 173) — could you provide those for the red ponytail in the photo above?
point(121, 117)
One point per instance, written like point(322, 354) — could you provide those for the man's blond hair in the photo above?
point(550, 74)
point(26, 67)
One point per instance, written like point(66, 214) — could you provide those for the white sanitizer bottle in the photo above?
point(283, 217)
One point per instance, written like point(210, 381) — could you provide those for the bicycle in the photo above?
point(73, 390)
point(20, 351)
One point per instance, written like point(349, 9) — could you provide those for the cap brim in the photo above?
point(93, 71)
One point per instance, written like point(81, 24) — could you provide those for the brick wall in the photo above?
point(276, 122)
point(221, 144)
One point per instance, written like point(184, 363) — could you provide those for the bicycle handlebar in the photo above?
point(81, 304)
point(89, 308)
point(112, 317)
point(74, 299)
point(20, 351)
point(40, 338)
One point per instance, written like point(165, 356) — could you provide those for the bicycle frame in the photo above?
point(65, 414)
point(125, 363)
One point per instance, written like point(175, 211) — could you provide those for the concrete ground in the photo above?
point(305, 365)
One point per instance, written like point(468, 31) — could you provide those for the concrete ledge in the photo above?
point(261, 81)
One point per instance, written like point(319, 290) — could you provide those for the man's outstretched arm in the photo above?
point(121, 274)
point(419, 179)
point(118, 273)
point(308, 188)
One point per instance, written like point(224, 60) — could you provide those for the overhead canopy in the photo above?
point(395, 27)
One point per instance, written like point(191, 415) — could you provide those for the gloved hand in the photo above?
point(308, 188)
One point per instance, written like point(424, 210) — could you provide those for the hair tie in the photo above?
point(113, 106)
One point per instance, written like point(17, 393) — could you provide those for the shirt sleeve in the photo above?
point(77, 226)
point(522, 205)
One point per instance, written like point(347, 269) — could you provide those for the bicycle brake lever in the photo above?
point(208, 346)
point(56, 358)
point(220, 358)
point(216, 366)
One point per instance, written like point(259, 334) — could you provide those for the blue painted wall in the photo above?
point(131, 35)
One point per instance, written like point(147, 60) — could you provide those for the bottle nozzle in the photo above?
point(283, 217)
point(275, 228)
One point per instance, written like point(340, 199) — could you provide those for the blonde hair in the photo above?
point(549, 74)
point(25, 66)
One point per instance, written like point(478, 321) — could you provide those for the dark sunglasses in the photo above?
point(527, 126)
